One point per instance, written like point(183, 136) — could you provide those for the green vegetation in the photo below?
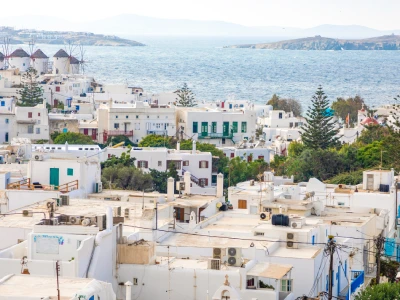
point(72, 138)
point(350, 106)
point(185, 96)
point(319, 131)
point(383, 291)
point(31, 93)
point(153, 140)
point(288, 105)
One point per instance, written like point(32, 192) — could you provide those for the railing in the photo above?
point(118, 132)
point(70, 186)
point(157, 132)
point(193, 179)
point(209, 135)
point(24, 184)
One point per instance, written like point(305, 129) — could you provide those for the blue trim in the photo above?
point(313, 240)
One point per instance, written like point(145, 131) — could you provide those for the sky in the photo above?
point(378, 14)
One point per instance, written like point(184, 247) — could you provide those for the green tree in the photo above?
point(319, 130)
point(383, 291)
point(160, 180)
point(124, 160)
point(31, 93)
point(185, 96)
point(114, 140)
point(350, 106)
point(373, 133)
point(287, 105)
point(73, 138)
point(295, 149)
point(389, 268)
point(153, 140)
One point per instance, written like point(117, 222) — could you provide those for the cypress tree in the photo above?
point(319, 132)
point(31, 93)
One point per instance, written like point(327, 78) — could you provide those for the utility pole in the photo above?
point(379, 243)
point(331, 247)
point(57, 272)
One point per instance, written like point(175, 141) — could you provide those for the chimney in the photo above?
point(178, 146)
point(128, 290)
point(220, 185)
point(194, 147)
point(66, 146)
point(170, 189)
point(186, 179)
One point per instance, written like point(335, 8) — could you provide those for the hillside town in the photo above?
point(113, 192)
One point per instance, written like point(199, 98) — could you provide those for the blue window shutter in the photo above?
point(313, 239)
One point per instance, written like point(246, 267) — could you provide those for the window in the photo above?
point(195, 127)
point(214, 127)
point(30, 128)
point(286, 285)
point(126, 117)
point(280, 115)
point(160, 163)
point(116, 125)
point(85, 131)
point(203, 181)
point(70, 172)
point(135, 281)
point(142, 164)
point(261, 157)
point(58, 89)
point(3, 103)
point(232, 155)
point(116, 117)
point(137, 117)
point(30, 115)
point(6, 137)
point(37, 130)
point(158, 125)
point(235, 127)
point(213, 179)
point(185, 163)
point(203, 164)
point(7, 121)
point(38, 114)
point(137, 126)
point(244, 127)
point(291, 124)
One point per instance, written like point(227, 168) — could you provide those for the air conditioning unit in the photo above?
point(101, 222)
point(127, 212)
point(64, 200)
point(296, 224)
point(75, 220)
point(88, 221)
point(291, 240)
point(117, 211)
point(27, 213)
point(63, 219)
point(98, 187)
point(214, 264)
point(219, 253)
point(235, 257)
point(38, 157)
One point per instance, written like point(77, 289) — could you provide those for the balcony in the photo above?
point(209, 135)
point(157, 132)
point(118, 132)
point(357, 280)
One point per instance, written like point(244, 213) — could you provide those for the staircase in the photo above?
point(193, 178)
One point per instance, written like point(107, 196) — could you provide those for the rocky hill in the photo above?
point(25, 36)
point(386, 42)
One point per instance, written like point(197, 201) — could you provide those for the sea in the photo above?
point(214, 72)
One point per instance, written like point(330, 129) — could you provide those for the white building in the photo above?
point(40, 62)
point(135, 120)
point(19, 59)
point(31, 287)
point(248, 151)
point(31, 122)
point(7, 119)
point(199, 164)
point(218, 126)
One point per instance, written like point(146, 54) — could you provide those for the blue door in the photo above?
point(54, 177)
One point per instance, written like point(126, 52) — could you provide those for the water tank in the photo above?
point(223, 207)
point(280, 220)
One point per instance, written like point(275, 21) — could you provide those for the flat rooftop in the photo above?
point(40, 287)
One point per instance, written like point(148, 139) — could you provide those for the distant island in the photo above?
point(386, 42)
point(25, 36)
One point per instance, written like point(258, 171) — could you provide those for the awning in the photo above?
point(267, 270)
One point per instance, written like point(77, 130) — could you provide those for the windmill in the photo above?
point(6, 51)
point(65, 61)
point(82, 61)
